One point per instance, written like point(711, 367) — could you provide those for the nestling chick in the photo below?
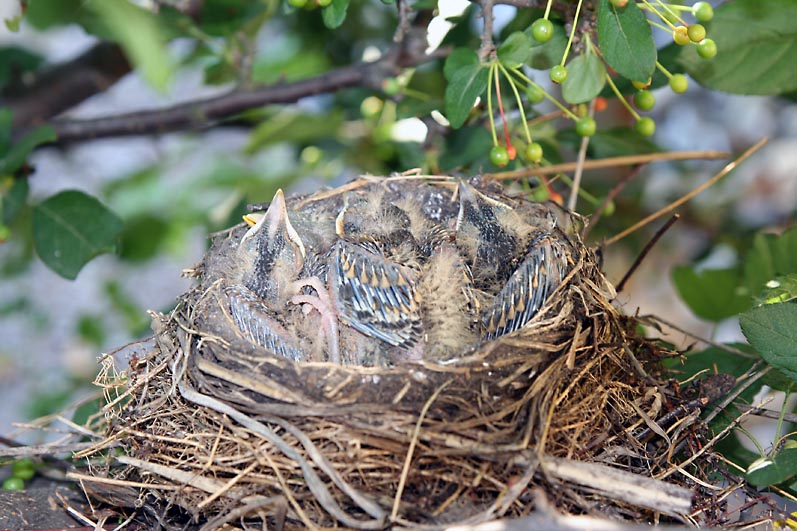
point(268, 261)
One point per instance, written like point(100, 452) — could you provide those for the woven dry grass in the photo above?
point(209, 432)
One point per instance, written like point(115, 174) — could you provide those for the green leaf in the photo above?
point(16, 61)
point(586, 77)
point(779, 289)
point(466, 85)
point(140, 35)
point(514, 51)
point(756, 43)
point(773, 470)
point(772, 331)
point(12, 200)
point(465, 146)
point(771, 256)
point(335, 13)
point(458, 59)
point(15, 158)
point(544, 56)
point(626, 41)
point(712, 294)
point(42, 14)
point(70, 228)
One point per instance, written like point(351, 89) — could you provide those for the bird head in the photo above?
point(271, 251)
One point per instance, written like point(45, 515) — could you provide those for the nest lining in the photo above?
point(209, 427)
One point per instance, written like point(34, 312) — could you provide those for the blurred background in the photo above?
point(173, 189)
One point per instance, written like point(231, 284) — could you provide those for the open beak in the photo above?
point(273, 221)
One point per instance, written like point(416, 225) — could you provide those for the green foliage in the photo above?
point(467, 83)
point(756, 43)
point(70, 228)
point(335, 13)
point(773, 470)
point(514, 51)
point(585, 79)
point(772, 331)
point(711, 294)
point(626, 40)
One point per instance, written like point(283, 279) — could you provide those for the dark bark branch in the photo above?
point(203, 113)
point(63, 86)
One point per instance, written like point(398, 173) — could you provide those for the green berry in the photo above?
point(703, 11)
point(499, 156)
point(533, 152)
point(681, 36)
point(558, 74)
point(586, 126)
point(645, 126)
point(298, 4)
point(644, 100)
point(391, 86)
point(679, 83)
point(696, 32)
point(23, 469)
point(13, 483)
point(534, 94)
point(619, 3)
point(707, 48)
point(541, 194)
point(542, 30)
point(323, 3)
point(609, 208)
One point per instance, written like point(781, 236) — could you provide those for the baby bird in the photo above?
point(384, 271)
point(269, 259)
point(521, 259)
point(372, 274)
point(548, 261)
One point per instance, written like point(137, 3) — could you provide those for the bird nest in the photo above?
point(207, 427)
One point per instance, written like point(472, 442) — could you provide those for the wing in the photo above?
point(548, 261)
point(374, 295)
point(251, 316)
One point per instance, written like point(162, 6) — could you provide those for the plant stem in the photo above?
point(490, 104)
point(656, 12)
point(550, 98)
point(663, 70)
point(548, 9)
point(621, 98)
point(501, 103)
point(572, 33)
point(518, 100)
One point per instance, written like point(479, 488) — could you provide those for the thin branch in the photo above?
point(203, 113)
point(646, 250)
point(61, 87)
point(582, 156)
point(675, 204)
point(613, 193)
point(487, 46)
point(609, 162)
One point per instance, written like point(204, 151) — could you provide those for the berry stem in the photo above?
point(666, 8)
point(621, 98)
point(548, 9)
point(518, 100)
point(663, 70)
point(490, 105)
point(648, 6)
point(550, 98)
point(572, 34)
point(588, 197)
point(662, 27)
point(501, 105)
